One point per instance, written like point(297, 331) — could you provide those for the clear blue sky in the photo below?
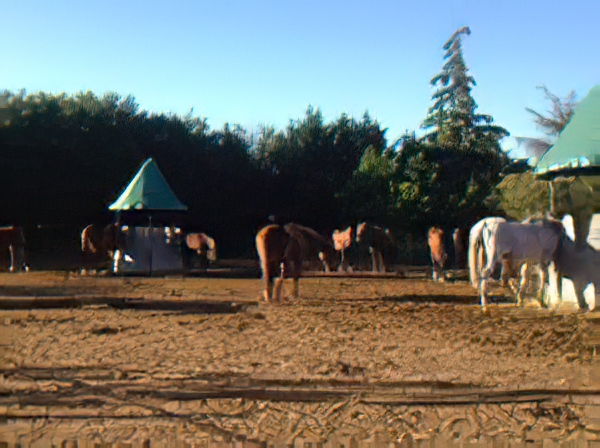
point(254, 62)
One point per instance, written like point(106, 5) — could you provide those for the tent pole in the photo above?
point(151, 245)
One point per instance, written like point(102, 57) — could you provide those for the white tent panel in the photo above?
point(148, 250)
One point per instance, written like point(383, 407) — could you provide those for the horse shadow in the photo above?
point(445, 299)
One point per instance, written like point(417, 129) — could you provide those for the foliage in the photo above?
point(446, 178)
point(70, 156)
point(451, 121)
point(310, 164)
point(522, 195)
point(443, 186)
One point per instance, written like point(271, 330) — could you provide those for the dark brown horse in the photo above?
point(435, 241)
point(12, 249)
point(460, 238)
point(281, 251)
point(99, 244)
point(374, 240)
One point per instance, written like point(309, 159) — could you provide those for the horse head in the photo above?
point(342, 239)
point(361, 231)
point(329, 256)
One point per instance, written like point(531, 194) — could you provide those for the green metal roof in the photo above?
point(148, 190)
point(577, 149)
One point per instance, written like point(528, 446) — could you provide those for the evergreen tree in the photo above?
point(446, 177)
point(451, 120)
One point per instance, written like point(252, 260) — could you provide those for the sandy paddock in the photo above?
point(89, 361)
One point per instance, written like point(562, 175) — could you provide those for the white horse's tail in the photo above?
point(475, 242)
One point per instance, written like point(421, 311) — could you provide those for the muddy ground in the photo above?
point(88, 361)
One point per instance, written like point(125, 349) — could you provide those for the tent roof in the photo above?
point(148, 190)
point(578, 146)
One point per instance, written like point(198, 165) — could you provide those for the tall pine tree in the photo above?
point(451, 120)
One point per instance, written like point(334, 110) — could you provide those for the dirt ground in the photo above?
point(91, 361)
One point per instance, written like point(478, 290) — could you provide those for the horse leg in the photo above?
point(484, 283)
point(434, 270)
point(294, 272)
point(382, 263)
point(11, 258)
point(279, 285)
point(543, 278)
point(507, 269)
point(579, 288)
point(296, 290)
point(267, 285)
point(483, 288)
point(267, 279)
point(522, 282)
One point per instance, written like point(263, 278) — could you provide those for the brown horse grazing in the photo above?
point(435, 241)
point(12, 249)
point(99, 244)
point(460, 238)
point(281, 251)
point(375, 241)
point(199, 250)
point(314, 246)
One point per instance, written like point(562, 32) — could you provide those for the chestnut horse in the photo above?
point(199, 249)
point(343, 243)
point(435, 241)
point(12, 249)
point(281, 251)
point(99, 244)
point(375, 241)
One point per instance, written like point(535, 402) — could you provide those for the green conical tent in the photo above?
point(148, 190)
point(577, 150)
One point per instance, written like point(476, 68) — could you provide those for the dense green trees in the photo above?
point(66, 157)
point(446, 177)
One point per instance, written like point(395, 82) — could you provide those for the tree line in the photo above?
point(67, 157)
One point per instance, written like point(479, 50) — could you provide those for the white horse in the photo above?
point(512, 244)
point(581, 264)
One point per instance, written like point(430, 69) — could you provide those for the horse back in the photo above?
point(271, 243)
point(435, 240)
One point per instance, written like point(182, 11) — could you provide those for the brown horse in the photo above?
point(199, 249)
point(99, 244)
point(460, 238)
point(435, 241)
point(281, 251)
point(12, 249)
point(374, 240)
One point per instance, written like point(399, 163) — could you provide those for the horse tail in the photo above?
point(261, 249)
point(87, 237)
point(211, 252)
point(475, 242)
